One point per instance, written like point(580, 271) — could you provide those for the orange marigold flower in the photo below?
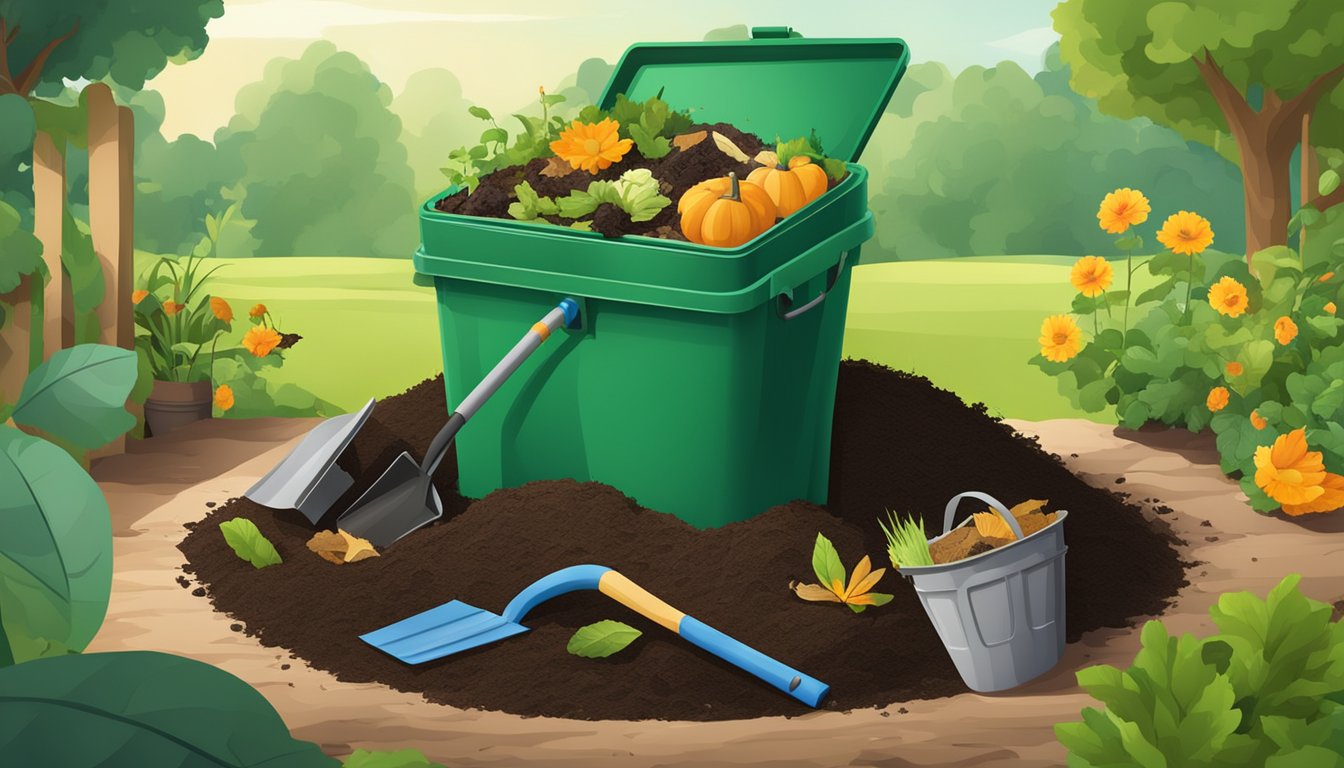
point(1091, 275)
point(1258, 421)
point(1186, 232)
point(138, 296)
point(1217, 399)
point(221, 309)
point(1295, 477)
point(171, 307)
point(1234, 369)
point(1122, 209)
point(1228, 296)
point(1325, 277)
point(257, 310)
point(1061, 339)
point(591, 146)
point(1330, 307)
point(1285, 330)
point(261, 340)
point(224, 397)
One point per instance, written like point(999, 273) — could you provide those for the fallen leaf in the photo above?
point(827, 565)
point(1035, 522)
point(687, 140)
point(1029, 506)
point(727, 147)
point(341, 547)
point(556, 167)
point(767, 158)
point(991, 526)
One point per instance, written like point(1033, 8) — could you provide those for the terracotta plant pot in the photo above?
point(172, 404)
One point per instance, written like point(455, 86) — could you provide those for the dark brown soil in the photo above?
point(678, 171)
point(899, 443)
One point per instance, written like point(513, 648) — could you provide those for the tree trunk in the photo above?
point(1265, 165)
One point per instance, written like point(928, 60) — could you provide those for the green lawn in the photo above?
point(968, 324)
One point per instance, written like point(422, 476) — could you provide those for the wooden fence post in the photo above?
point(48, 226)
point(111, 218)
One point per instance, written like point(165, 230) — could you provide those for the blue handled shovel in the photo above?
point(455, 627)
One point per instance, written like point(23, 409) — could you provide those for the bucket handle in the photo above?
point(783, 302)
point(950, 513)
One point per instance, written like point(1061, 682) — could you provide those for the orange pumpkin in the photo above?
point(793, 187)
point(725, 212)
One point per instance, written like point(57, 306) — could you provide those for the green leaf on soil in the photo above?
point(649, 145)
point(402, 758)
point(602, 639)
point(530, 205)
point(79, 395)
point(826, 562)
point(248, 542)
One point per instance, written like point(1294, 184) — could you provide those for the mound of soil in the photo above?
point(677, 171)
point(899, 443)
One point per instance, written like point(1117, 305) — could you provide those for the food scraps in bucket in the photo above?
point(341, 547)
point(908, 545)
point(833, 588)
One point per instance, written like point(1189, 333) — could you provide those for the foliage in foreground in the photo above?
point(1267, 690)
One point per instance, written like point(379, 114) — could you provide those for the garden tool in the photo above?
point(308, 479)
point(404, 499)
point(455, 627)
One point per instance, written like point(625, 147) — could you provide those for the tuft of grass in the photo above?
point(907, 544)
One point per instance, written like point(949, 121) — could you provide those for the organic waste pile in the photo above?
point(638, 168)
point(899, 444)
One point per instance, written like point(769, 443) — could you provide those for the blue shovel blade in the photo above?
point(450, 628)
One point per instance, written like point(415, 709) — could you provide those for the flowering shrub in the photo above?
point(1252, 351)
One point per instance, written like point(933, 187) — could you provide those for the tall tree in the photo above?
point(1250, 70)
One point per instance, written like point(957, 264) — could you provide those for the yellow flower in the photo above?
point(138, 296)
point(541, 89)
point(591, 146)
point(221, 309)
point(171, 307)
point(1295, 477)
point(1228, 297)
point(224, 397)
point(1325, 277)
point(261, 340)
point(1186, 232)
point(1330, 307)
point(1234, 369)
point(1217, 399)
point(1060, 339)
point(1122, 209)
point(1258, 421)
point(257, 310)
point(1091, 275)
point(1285, 330)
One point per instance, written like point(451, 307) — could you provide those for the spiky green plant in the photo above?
point(907, 544)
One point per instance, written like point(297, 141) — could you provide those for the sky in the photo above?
point(502, 51)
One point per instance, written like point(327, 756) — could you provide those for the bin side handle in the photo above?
point(843, 241)
point(950, 513)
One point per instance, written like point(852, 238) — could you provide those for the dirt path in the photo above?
point(168, 481)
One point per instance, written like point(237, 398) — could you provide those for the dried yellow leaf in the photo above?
point(814, 593)
point(1029, 506)
point(727, 147)
point(557, 167)
point(687, 140)
point(991, 526)
point(341, 547)
point(767, 158)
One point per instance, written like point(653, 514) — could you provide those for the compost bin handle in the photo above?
point(783, 302)
point(950, 513)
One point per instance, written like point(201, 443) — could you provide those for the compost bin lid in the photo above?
point(775, 84)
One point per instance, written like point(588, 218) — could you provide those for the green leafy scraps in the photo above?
point(636, 193)
point(833, 588)
point(650, 123)
point(600, 640)
point(469, 164)
point(907, 543)
point(248, 543)
point(530, 205)
point(809, 147)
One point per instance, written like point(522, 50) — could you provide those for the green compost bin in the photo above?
point(700, 381)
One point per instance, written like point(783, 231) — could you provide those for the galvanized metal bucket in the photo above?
point(1000, 614)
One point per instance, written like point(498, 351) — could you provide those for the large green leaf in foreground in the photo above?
point(79, 394)
point(55, 549)
point(141, 708)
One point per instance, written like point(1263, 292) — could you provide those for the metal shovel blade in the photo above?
point(308, 479)
point(441, 631)
point(402, 500)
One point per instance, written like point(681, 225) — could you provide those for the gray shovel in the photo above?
point(404, 499)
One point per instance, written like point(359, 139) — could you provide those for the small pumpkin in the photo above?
point(725, 212)
point(791, 186)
